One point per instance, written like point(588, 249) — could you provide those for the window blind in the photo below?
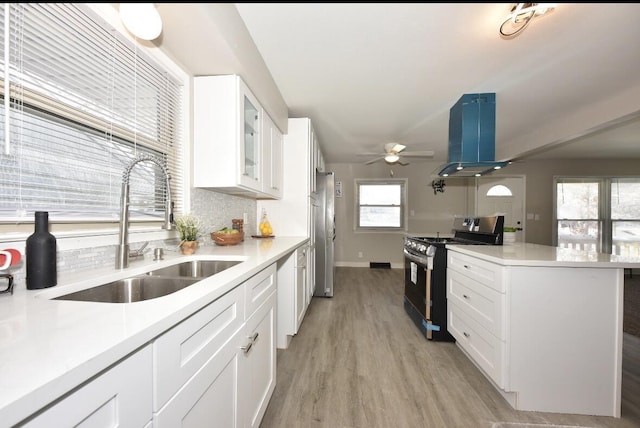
point(82, 103)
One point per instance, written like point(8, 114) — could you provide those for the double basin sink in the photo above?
point(150, 285)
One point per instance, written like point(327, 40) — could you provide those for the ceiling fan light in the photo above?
point(391, 158)
point(141, 19)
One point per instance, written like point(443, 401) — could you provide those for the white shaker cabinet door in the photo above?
point(210, 397)
point(259, 363)
point(119, 397)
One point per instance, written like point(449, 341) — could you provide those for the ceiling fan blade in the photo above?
point(426, 153)
point(398, 148)
point(393, 148)
point(388, 147)
point(374, 160)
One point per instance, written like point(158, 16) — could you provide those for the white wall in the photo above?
point(429, 213)
point(433, 213)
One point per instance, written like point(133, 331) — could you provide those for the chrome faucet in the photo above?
point(122, 252)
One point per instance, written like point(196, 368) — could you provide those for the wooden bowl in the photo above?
point(227, 238)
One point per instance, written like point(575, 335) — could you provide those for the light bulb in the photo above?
point(391, 158)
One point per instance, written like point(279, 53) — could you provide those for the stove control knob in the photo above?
point(422, 248)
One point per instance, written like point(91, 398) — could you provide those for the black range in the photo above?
point(425, 264)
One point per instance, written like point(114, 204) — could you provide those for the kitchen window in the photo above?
point(381, 205)
point(83, 101)
point(599, 214)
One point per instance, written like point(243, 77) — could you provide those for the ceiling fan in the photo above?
point(392, 154)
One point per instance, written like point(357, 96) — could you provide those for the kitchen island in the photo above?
point(50, 349)
point(543, 324)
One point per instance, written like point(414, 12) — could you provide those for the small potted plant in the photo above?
point(508, 235)
point(189, 229)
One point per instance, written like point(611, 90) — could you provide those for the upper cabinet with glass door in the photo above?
point(228, 137)
point(252, 135)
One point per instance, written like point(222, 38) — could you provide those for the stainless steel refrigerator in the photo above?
point(325, 230)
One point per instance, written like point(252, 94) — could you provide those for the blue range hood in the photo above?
point(472, 137)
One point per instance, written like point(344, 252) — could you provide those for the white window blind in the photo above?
point(84, 102)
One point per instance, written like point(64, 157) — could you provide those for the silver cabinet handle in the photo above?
point(247, 347)
point(467, 267)
point(465, 296)
point(466, 334)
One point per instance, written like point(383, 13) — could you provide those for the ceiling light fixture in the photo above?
point(141, 19)
point(392, 158)
point(521, 15)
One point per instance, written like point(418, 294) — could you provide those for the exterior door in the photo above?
point(504, 195)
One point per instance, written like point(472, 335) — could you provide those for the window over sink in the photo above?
point(83, 101)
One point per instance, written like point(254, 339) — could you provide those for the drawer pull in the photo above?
point(466, 334)
point(465, 296)
point(254, 337)
point(467, 266)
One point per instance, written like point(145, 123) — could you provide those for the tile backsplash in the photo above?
point(214, 209)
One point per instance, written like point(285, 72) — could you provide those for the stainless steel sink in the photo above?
point(134, 289)
point(195, 268)
point(156, 283)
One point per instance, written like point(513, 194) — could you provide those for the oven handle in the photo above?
point(416, 259)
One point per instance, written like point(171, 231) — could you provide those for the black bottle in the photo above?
point(41, 255)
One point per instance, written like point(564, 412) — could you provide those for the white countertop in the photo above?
point(48, 347)
point(524, 254)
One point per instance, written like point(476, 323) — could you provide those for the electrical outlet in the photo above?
point(360, 254)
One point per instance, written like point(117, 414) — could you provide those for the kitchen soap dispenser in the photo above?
point(41, 255)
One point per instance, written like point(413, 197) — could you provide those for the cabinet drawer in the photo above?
point(485, 305)
point(258, 288)
point(482, 271)
point(486, 350)
point(183, 350)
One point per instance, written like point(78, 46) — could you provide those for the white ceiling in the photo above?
point(369, 74)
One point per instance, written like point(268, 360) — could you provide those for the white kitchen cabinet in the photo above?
point(219, 364)
point(272, 159)
point(119, 397)
point(258, 362)
point(212, 396)
point(293, 295)
point(547, 337)
point(302, 289)
point(182, 351)
point(294, 215)
point(228, 137)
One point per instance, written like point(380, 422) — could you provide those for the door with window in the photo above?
point(504, 195)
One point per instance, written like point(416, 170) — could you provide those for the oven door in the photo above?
point(415, 281)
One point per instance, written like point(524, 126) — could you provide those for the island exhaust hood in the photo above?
point(472, 137)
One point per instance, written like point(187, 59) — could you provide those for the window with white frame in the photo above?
point(80, 104)
point(380, 204)
point(599, 214)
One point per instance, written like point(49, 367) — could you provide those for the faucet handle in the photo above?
point(139, 251)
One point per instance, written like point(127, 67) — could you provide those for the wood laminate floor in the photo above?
point(358, 361)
